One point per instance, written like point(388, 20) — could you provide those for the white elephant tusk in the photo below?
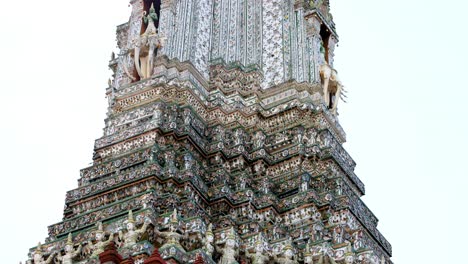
point(137, 61)
point(149, 69)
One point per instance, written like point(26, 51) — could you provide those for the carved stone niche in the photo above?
point(147, 42)
point(146, 7)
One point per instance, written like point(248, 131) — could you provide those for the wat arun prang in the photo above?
point(221, 144)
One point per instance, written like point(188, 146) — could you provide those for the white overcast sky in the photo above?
point(403, 62)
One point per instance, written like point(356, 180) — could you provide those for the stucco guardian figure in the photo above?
point(101, 241)
point(229, 250)
point(39, 255)
point(260, 255)
point(172, 236)
point(208, 241)
point(287, 255)
point(70, 252)
point(131, 237)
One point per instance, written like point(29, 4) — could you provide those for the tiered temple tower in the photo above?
point(221, 144)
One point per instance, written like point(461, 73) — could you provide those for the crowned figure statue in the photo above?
point(131, 237)
point(70, 252)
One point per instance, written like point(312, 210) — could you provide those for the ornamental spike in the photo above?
point(70, 239)
point(130, 217)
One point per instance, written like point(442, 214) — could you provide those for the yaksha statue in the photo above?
point(208, 241)
point(349, 256)
point(260, 255)
point(101, 241)
point(70, 252)
point(38, 256)
point(229, 250)
point(172, 236)
point(130, 238)
point(287, 255)
point(308, 257)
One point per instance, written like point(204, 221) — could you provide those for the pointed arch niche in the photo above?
point(325, 34)
point(147, 5)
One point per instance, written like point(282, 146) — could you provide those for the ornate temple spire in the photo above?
point(221, 144)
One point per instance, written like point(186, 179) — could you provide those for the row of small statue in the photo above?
point(260, 253)
point(128, 238)
point(227, 246)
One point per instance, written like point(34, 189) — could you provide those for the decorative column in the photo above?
point(331, 49)
point(302, 60)
point(313, 47)
point(166, 26)
point(273, 60)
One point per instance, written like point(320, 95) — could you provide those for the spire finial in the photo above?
point(130, 217)
point(307, 250)
point(231, 234)
point(99, 227)
point(174, 216)
point(209, 230)
point(70, 239)
point(38, 248)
